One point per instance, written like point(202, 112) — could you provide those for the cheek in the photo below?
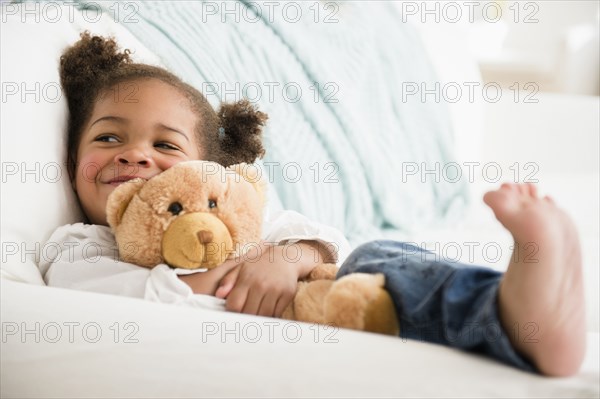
point(165, 164)
point(89, 166)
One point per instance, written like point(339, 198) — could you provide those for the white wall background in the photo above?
point(552, 43)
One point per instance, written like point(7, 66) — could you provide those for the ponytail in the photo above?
point(240, 132)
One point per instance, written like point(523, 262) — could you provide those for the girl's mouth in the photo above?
point(123, 179)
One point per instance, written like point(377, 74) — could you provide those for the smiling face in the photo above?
point(137, 129)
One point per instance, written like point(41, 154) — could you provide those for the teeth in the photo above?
point(124, 179)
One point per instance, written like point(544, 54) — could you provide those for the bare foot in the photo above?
point(541, 299)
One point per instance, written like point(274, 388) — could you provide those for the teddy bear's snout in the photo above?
point(196, 240)
point(204, 236)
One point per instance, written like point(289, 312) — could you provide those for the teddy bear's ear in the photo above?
point(252, 174)
point(119, 199)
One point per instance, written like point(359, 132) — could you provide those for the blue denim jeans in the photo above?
point(438, 301)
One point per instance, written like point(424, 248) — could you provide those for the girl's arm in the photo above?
point(207, 282)
point(84, 257)
point(265, 280)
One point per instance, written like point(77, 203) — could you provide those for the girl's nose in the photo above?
point(133, 157)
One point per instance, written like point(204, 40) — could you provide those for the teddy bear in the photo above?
point(197, 214)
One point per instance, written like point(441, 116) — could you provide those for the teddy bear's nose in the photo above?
point(204, 236)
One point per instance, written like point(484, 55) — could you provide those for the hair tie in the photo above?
point(221, 133)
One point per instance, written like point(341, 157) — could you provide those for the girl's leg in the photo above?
point(437, 301)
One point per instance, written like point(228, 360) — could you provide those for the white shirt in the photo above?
point(85, 257)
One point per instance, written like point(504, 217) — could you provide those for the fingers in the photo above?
point(253, 302)
point(229, 264)
point(258, 286)
point(227, 283)
point(223, 291)
point(236, 299)
point(282, 304)
point(267, 306)
point(256, 302)
point(249, 303)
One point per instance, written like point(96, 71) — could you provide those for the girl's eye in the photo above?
point(166, 146)
point(106, 139)
point(212, 204)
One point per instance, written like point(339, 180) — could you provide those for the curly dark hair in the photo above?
point(94, 65)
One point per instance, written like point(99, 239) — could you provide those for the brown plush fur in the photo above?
point(149, 232)
point(140, 227)
point(357, 301)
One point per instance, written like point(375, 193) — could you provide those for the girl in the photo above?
point(531, 317)
point(129, 120)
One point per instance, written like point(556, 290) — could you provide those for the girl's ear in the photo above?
point(119, 200)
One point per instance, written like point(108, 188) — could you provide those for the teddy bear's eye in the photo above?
point(212, 204)
point(175, 208)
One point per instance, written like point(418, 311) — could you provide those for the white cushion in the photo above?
point(124, 347)
point(36, 192)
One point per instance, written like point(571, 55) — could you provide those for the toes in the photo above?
point(516, 191)
point(508, 186)
point(491, 198)
point(500, 201)
point(498, 197)
point(532, 189)
point(488, 197)
point(523, 190)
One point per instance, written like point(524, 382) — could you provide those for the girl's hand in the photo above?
point(263, 284)
point(207, 282)
point(265, 281)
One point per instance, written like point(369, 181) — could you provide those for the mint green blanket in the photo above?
point(342, 142)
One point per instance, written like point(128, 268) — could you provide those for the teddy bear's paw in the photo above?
point(324, 271)
point(359, 301)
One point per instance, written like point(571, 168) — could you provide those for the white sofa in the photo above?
point(62, 343)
